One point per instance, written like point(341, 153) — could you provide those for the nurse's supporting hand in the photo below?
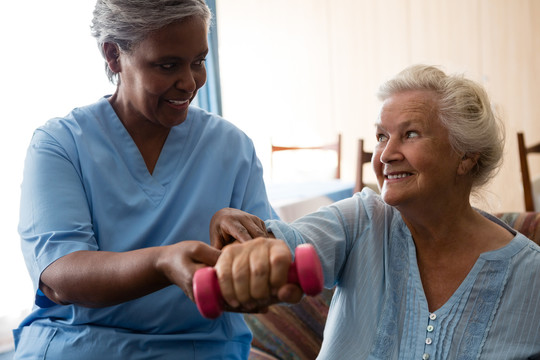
point(229, 225)
point(181, 260)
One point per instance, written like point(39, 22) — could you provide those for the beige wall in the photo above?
point(307, 69)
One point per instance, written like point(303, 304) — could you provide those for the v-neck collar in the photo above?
point(501, 255)
point(172, 153)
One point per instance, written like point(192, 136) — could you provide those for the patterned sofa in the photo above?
point(296, 332)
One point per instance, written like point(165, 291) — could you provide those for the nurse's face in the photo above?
point(161, 76)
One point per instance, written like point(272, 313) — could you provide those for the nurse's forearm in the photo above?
point(99, 278)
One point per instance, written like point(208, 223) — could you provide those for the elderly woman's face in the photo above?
point(413, 159)
point(161, 76)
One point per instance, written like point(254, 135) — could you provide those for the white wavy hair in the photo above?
point(464, 109)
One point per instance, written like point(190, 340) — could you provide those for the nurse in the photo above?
point(117, 195)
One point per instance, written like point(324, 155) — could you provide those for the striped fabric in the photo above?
point(295, 332)
point(526, 223)
point(290, 332)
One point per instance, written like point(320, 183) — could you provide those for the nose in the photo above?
point(391, 151)
point(186, 80)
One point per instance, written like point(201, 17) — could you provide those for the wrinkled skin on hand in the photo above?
point(253, 275)
point(229, 225)
point(253, 267)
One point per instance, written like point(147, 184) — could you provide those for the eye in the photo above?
point(167, 66)
point(381, 137)
point(200, 62)
point(411, 134)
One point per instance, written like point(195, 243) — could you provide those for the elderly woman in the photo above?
point(418, 272)
point(114, 192)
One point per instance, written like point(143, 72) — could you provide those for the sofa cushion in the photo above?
point(527, 223)
point(290, 331)
point(258, 354)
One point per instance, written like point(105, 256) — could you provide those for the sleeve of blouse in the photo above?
point(332, 230)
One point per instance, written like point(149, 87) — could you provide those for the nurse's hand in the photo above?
point(229, 225)
point(253, 275)
point(180, 261)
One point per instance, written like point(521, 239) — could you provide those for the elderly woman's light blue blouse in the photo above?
point(379, 309)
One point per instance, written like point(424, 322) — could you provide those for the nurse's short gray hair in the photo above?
point(128, 22)
point(464, 109)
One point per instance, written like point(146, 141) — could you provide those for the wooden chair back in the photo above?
point(336, 146)
point(361, 158)
point(525, 174)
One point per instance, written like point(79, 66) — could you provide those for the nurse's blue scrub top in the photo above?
point(86, 187)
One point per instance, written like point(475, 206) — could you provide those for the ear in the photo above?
point(112, 56)
point(468, 161)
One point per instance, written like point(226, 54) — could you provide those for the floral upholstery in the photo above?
point(526, 223)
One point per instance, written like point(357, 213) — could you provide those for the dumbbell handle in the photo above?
point(305, 271)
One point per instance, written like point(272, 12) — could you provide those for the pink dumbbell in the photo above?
point(306, 271)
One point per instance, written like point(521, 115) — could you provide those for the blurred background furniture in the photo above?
point(362, 157)
point(333, 147)
point(528, 188)
point(305, 178)
point(296, 199)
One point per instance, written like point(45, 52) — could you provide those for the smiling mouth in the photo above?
point(178, 102)
point(397, 176)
